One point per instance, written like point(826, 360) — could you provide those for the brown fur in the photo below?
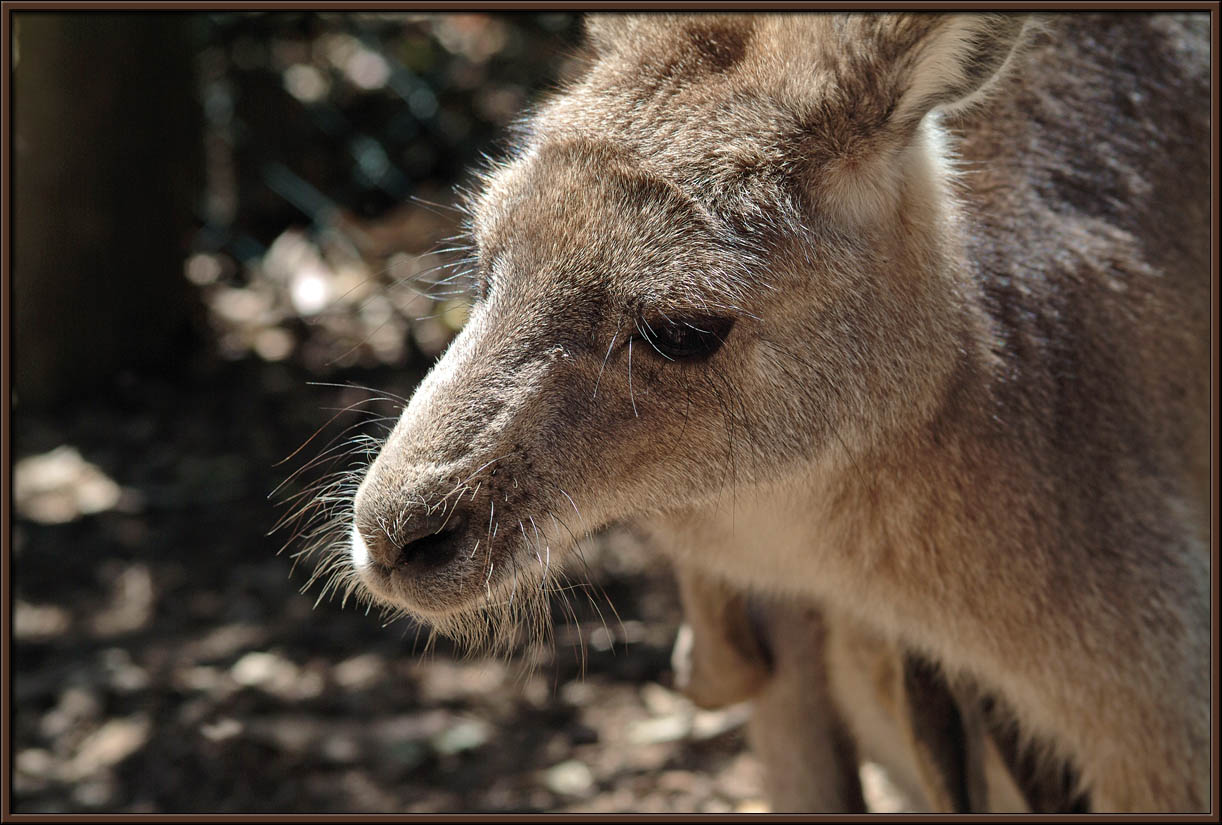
point(964, 397)
point(828, 690)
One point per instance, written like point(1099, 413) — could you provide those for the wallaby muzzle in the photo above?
point(429, 517)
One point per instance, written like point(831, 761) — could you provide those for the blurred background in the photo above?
point(226, 228)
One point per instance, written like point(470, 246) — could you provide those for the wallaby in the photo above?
point(906, 316)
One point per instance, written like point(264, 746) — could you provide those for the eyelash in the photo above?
point(691, 339)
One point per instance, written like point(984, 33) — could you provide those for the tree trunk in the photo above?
point(107, 167)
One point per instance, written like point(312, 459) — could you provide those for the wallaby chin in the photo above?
point(893, 327)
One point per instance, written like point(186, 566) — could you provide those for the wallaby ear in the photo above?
point(887, 73)
point(938, 61)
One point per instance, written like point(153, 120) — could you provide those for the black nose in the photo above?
point(424, 542)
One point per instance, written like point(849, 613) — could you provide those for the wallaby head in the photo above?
point(725, 255)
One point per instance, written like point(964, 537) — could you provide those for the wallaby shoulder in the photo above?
point(1085, 189)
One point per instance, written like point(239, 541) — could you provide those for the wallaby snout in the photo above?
point(409, 528)
point(430, 515)
point(417, 542)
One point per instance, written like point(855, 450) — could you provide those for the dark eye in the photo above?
point(685, 340)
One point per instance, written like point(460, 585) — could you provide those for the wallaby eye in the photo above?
point(692, 339)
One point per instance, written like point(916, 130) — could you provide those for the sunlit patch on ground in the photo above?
point(61, 486)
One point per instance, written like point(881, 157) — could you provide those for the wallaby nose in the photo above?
point(424, 542)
